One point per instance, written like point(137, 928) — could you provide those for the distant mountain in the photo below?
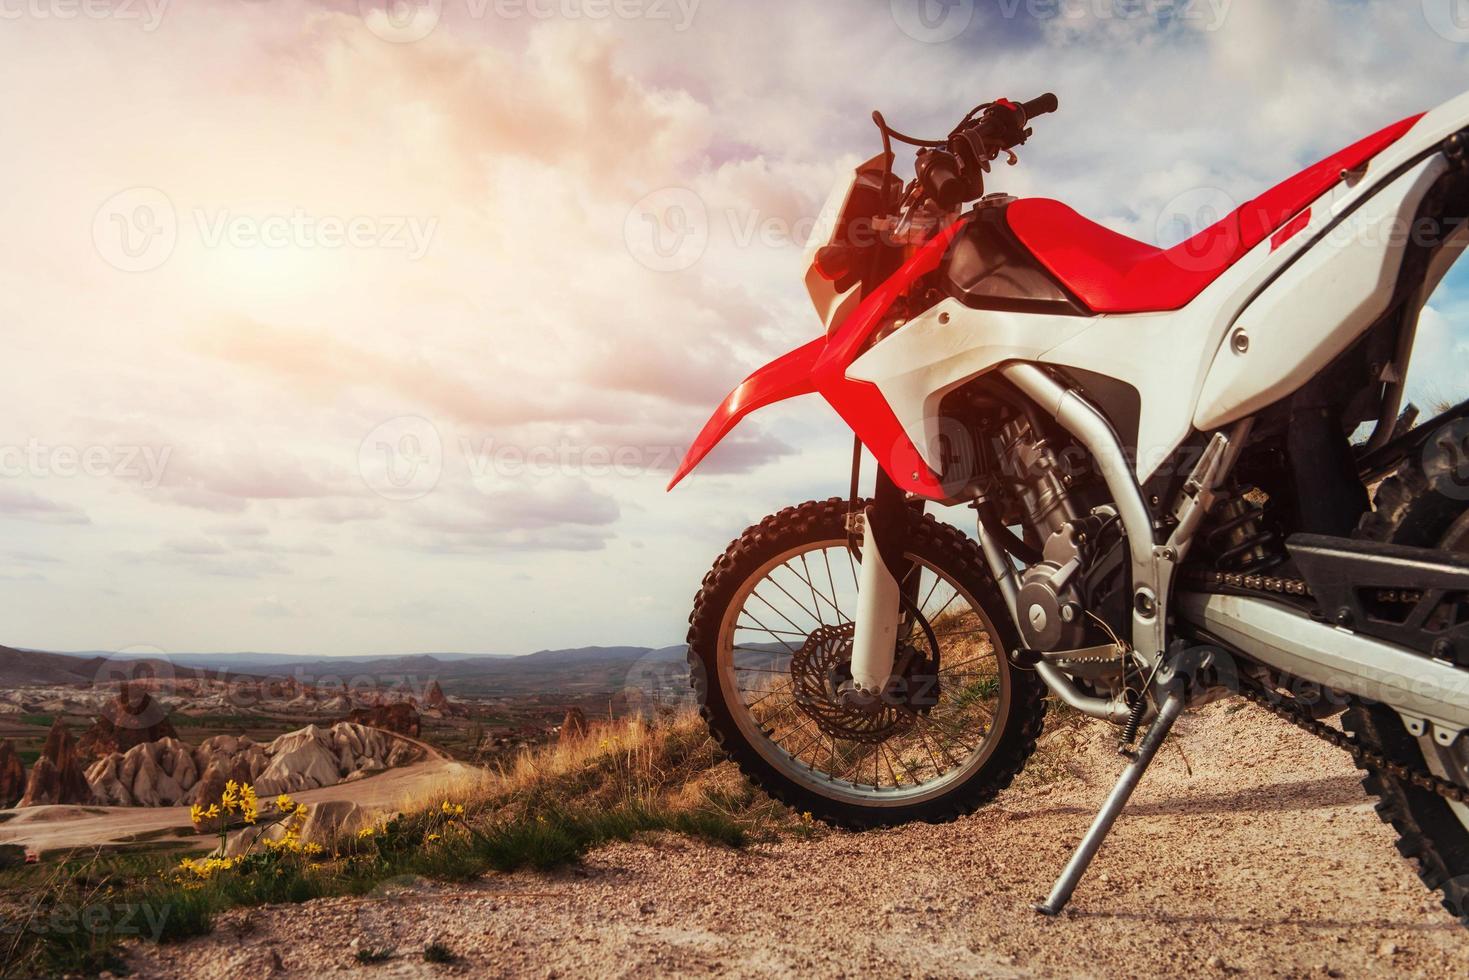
point(547, 670)
point(258, 662)
point(598, 655)
point(36, 667)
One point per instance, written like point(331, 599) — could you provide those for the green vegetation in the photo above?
point(228, 723)
point(438, 953)
point(369, 956)
point(547, 809)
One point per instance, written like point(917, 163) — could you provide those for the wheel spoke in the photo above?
point(887, 754)
point(770, 631)
point(826, 558)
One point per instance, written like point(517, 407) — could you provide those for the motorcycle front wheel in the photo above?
point(769, 650)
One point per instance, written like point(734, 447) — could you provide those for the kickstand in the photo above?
point(1065, 885)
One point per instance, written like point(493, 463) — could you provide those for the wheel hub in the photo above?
point(821, 678)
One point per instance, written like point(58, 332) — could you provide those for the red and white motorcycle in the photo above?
point(1170, 504)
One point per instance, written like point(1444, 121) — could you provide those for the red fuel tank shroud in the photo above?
point(1112, 273)
point(821, 366)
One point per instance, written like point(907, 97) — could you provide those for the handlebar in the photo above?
point(952, 171)
point(1039, 107)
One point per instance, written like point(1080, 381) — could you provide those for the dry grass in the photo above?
point(670, 765)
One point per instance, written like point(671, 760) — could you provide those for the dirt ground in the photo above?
point(1265, 859)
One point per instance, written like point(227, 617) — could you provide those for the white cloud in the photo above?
point(527, 320)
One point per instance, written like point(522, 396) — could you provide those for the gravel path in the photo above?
point(1265, 859)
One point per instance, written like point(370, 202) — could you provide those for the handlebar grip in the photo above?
point(1039, 107)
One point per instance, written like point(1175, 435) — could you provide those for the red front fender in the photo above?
point(785, 377)
point(822, 366)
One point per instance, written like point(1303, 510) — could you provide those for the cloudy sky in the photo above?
point(340, 328)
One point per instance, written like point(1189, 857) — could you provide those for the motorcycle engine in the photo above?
point(1081, 576)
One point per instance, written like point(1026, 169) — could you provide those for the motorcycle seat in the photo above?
point(1112, 273)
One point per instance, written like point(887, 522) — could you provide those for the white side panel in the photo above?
point(1318, 306)
point(946, 346)
point(1165, 356)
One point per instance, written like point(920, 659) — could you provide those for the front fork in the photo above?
point(880, 594)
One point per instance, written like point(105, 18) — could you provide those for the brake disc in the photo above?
point(818, 671)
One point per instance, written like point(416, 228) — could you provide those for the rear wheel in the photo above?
point(1424, 506)
point(770, 645)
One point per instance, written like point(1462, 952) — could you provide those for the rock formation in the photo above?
point(168, 773)
point(400, 718)
point(57, 775)
point(133, 718)
point(314, 757)
point(12, 775)
point(157, 773)
point(224, 758)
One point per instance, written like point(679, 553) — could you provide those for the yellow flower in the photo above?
point(302, 809)
point(807, 819)
point(452, 809)
point(196, 813)
point(364, 833)
point(434, 837)
point(249, 805)
point(284, 803)
point(207, 867)
point(212, 812)
point(312, 848)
